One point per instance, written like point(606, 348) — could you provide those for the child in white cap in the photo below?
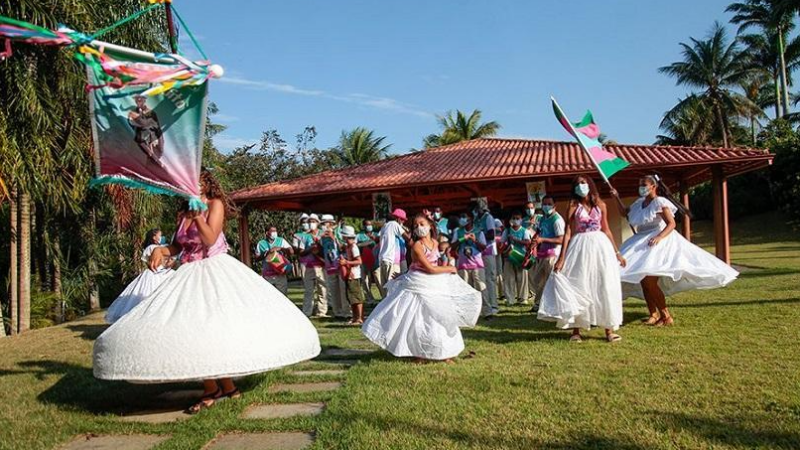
point(350, 262)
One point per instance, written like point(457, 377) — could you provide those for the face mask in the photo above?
point(582, 190)
point(368, 228)
point(531, 212)
point(643, 191)
point(313, 225)
point(273, 235)
point(475, 213)
point(548, 209)
point(462, 221)
point(306, 227)
point(516, 222)
point(422, 230)
point(438, 215)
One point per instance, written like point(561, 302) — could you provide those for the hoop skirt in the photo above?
point(136, 291)
point(587, 291)
point(679, 264)
point(421, 316)
point(213, 318)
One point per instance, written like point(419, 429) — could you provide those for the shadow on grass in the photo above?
point(486, 440)
point(88, 332)
point(731, 432)
point(762, 273)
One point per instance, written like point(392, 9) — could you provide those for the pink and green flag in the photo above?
point(587, 133)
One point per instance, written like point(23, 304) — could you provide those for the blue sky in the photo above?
point(392, 66)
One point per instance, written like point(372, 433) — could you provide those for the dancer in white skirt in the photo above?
point(660, 261)
point(584, 289)
point(213, 320)
point(424, 308)
point(145, 283)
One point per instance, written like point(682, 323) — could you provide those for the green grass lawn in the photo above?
point(726, 376)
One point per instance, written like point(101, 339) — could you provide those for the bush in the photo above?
point(784, 175)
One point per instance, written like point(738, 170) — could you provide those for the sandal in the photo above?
point(204, 402)
point(234, 394)
point(665, 322)
point(354, 323)
point(651, 320)
point(611, 338)
point(576, 338)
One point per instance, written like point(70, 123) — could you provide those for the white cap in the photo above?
point(498, 223)
point(304, 216)
point(313, 217)
point(348, 231)
point(327, 218)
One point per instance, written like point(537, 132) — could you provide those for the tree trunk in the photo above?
point(777, 85)
point(41, 241)
point(784, 83)
point(753, 130)
point(56, 278)
point(94, 293)
point(24, 206)
point(722, 127)
point(13, 307)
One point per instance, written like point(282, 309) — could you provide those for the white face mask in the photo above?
point(273, 235)
point(463, 221)
point(306, 226)
point(313, 225)
point(582, 189)
point(531, 212)
point(644, 191)
point(548, 209)
point(516, 222)
point(422, 230)
point(437, 215)
point(368, 228)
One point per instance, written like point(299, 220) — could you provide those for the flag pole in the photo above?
point(574, 133)
point(173, 42)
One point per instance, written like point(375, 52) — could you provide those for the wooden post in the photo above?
point(721, 227)
point(686, 226)
point(244, 236)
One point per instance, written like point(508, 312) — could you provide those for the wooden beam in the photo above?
point(686, 226)
point(722, 238)
point(244, 236)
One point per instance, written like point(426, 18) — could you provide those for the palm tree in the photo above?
point(689, 123)
point(459, 127)
point(716, 67)
point(361, 146)
point(775, 19)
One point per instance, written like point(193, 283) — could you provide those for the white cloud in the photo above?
point(224, 118)
point(226, 143)
point(369, 101)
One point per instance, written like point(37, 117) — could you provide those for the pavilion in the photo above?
point(500, 170)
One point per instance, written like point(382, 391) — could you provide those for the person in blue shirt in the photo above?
point(441, 222)
point(274, 253)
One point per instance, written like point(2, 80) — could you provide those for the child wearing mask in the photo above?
point(469, 245)
point(445, 254)
point(351, 260)
point(516, 240)
point(274, 252)
point(367, 241)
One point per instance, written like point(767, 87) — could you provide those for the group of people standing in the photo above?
point(214, 319)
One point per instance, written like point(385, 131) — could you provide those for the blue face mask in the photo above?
point(368, 228)
point(548, 209)
point(462, 221)
point(582, 190)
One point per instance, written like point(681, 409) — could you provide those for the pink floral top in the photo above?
point(432, 255)
point(192, 247)
point(588, 220)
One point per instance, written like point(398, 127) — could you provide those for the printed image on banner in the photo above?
point(153, 142)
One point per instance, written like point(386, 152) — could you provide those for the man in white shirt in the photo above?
point(389, 251)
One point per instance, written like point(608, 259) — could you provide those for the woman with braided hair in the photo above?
point(661, 262)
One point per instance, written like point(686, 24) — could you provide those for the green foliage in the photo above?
point(784, 142)
point(361, 146)
point(458, 127)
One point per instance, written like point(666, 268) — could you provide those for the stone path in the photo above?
point(282, 411)
point(261, 441)
point(346, 352)
point(115, 442)
point(324, 372)
point(305, 387)
point(156, 416)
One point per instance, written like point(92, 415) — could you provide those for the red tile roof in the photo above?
point(494, 159)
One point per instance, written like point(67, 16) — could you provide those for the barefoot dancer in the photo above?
point(424, 308)
point(584, 289)
point(660, 261)
point(213, 320)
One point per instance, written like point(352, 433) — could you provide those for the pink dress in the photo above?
point(214, 318)
point(432, 255)
point(588, 291)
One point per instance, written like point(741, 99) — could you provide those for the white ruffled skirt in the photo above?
point(135, 292)
point(679, 264)
point(587, 292)
point(214, 318)
point(421, 316)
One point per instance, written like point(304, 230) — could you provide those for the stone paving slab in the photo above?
point(180, 398)
point(326, 372)
point(261, 441)
point(155, 416)
point(115, 442)
point(305, 387)
point(281, 411)
point(331, 362)
point(346, 352)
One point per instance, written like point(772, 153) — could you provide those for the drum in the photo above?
point(517, 256)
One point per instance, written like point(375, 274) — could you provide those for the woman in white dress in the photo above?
point(584, 289)
point(424, 308)
point(213, 320)
point(661, 262)
point(144, 284)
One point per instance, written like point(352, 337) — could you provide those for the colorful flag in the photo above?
point(154, 141)
point(587, 133)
